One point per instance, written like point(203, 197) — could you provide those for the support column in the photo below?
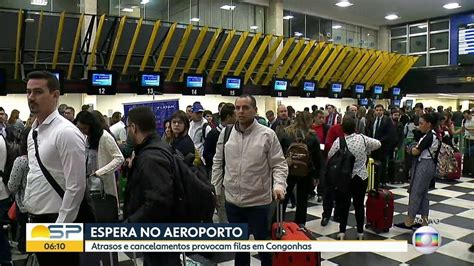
point(274, 25)
point(383, 39)
point(89, 7)
point(275, 17)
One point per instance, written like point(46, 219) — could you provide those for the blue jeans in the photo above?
point(257, 218)
point(5, 253)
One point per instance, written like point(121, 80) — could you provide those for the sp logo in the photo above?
point(56, 231)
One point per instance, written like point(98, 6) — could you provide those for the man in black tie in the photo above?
point(380, 130)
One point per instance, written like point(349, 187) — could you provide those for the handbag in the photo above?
point(105, 205)
point(12, 212)
point(86, 213)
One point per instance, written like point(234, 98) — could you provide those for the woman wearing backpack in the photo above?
point(423, 171)
point(359, 146)
point(302, 150)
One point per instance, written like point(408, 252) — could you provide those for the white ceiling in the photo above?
point(371, 13)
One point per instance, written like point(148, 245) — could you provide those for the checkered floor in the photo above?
point(451, 202)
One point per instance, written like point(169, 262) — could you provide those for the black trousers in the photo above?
point(56, 258)
point(356, 192)
point(302, 190)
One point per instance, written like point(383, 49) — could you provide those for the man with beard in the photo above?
point(61, 149)
point(149, 197)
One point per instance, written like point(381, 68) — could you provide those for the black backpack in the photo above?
point(193, 192)
point(339, 168)
point(13, 151)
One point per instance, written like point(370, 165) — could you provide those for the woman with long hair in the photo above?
point(423, 171)
point(167, 134)
point(369, 120)
point(300, 131)
point(103, 153)
point(361, 120)
point(15, 121)
point(446, 129)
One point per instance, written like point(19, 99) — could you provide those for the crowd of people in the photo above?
point(248, 159)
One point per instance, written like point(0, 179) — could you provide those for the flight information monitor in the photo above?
point(232, 86)
point(101, 82)
point(280, 87)
point(195, 84)
point(466, 44)
point(358, 90)
point(308, 88)
point(150, 83)
point(335, 90)
point(377, 91)
point(396, 93)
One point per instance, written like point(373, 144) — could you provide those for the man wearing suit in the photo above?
point(381, 130)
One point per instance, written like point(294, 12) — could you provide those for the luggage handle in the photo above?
point(280, 232)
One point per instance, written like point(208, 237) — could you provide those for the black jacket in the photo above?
point(149, 196)
point(210, 145)
point(311, 140)
point(184, 144)
point(383, 133)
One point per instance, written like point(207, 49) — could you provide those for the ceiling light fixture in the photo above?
point(298, 34)
point(144, 2)
point(195, 19)
point(253, 27)
point(392, 17)
point(336, 27)
point(344, 4)
point(228, 7)
point(288, 17)
point(452, 5)
point(127, 9)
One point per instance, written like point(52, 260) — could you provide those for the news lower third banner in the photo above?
point(76, 237)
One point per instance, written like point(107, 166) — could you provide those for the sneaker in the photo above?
point(341, 236)
point(403, 227)
point(324, 221)
point(360, 236)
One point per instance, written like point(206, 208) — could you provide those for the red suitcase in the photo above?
point(456, 174)
point(379, 210)
point(291, 231)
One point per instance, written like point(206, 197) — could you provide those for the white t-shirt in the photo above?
point(119, 131)
point(469, 126)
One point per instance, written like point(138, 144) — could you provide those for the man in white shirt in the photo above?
point(118, 128)
point(61, 148)
point(5, 202)
point(196, 132)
